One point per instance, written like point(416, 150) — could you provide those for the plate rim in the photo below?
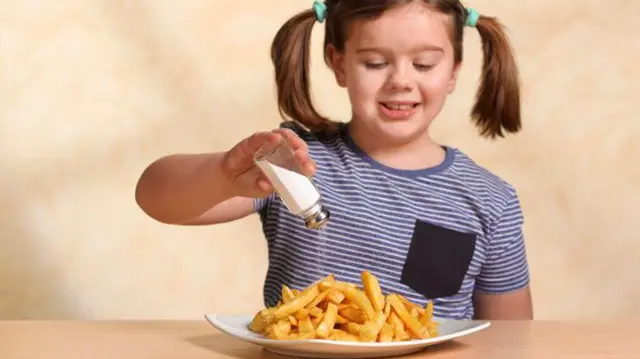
point(481, 325)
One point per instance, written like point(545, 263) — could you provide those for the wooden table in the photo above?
point(197, 339)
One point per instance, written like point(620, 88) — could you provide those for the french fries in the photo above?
point(335, 310)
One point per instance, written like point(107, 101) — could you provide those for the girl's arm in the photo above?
point(502, 287)
point(190, 189)
point(516, 305)
point(196, 189)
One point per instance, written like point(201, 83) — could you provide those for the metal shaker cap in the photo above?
point(318, 218)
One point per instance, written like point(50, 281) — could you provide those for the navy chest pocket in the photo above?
point(438, 260)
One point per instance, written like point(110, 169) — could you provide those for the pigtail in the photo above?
point(290, 53)
point(497, 107)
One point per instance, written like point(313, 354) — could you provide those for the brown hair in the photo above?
point(497, 107)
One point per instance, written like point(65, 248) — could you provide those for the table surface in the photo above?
point(197, 339)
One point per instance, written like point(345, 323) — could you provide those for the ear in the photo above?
point(336, 59)
point(454, 78)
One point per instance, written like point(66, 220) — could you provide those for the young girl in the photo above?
point(423, 217)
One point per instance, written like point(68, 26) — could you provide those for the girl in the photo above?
point(423, 217)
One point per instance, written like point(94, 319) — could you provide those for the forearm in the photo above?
point(516, 305)
point(178, 188)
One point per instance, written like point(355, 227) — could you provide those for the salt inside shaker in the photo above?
point(296, 190)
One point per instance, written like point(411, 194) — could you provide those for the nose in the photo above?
point(400, 79)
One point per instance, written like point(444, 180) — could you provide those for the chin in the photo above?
point(400, 132)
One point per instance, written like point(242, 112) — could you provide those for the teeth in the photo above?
point(399, 107)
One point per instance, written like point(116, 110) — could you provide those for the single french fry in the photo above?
point(328, 322)
point(373, 291)
point(287, 294)
point(427, 315)
point(386, 333)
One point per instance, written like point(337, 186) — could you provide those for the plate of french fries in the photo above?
point(337, 319)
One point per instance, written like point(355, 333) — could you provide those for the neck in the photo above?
point(419, 153)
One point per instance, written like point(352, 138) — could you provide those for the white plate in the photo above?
point(236, 326)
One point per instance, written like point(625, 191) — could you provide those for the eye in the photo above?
point(421, 67)
point(375, 65)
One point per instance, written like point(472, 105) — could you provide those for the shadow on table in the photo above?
point(225, 345)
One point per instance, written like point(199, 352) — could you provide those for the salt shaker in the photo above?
point(296, 190)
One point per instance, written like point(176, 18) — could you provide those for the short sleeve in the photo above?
point(259, 203)
point(506, 268)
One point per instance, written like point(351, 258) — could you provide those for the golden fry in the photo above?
point(342, 311)
point(328, 322)
point(373, 291)
point(287, 294)
point(415, 327)
point(386, 333)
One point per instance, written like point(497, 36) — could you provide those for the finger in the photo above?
point(307, 164)
point(264, 185)
point(309, 169)
point(259, 139)
point(292, 138)
point(240, 157)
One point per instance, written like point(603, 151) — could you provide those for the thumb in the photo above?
point(240, 157)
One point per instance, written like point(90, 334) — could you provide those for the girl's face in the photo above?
point(398, 70)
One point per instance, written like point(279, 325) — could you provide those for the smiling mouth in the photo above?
point(400, 106)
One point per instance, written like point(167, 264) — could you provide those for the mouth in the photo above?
point(399, 106)
point(398, 110)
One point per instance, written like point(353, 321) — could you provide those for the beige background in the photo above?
point(92, 91)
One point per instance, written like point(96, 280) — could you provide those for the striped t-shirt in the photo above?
point(433, 234)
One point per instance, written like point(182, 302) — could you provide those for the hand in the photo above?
point(246, 177)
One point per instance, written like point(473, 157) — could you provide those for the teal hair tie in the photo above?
point(472, 17)
point(320, 9)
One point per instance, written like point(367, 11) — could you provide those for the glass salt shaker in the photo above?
point(296, 190)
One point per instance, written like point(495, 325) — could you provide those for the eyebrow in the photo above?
point(422, 48)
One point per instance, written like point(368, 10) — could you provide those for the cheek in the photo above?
point(439, 82)
point(364, 84)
